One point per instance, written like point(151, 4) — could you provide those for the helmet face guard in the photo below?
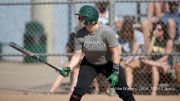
point(88, 15)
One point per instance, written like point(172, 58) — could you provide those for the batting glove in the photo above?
point(113, 78)
point(65, 71)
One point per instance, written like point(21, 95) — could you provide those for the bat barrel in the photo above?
point(23, 50)
point(31, 54)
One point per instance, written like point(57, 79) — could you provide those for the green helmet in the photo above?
point(89, 13)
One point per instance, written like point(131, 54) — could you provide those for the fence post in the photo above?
point(112, 13)
point(112, 24)
point(41, 13)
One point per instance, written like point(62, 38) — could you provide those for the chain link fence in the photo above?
point(44, 26)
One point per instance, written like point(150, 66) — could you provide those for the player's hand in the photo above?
point(65, 71)
point(113, 78)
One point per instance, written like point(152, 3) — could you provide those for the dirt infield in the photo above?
point(19, 80)
point(85, 98)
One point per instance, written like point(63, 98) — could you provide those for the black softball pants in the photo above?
point(87, 74)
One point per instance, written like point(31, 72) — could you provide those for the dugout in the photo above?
point(35, 40)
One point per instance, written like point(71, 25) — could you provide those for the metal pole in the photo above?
point(74, 10)
point(69, 17)
point(138, 11)
point(112, 24)
point(112, 13)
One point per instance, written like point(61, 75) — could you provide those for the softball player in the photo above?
point(101, 55)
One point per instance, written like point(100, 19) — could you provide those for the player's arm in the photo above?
point(117, 72)
point(113, 78)
point(77, 55)
point(112, 44)
point(115, 54)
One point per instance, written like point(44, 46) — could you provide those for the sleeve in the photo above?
point(165, 18)
point(110, 38)
point(139, 38)
point(77, 43)
point(70, 43)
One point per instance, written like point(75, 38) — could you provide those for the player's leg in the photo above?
point(129, 68)
point(155, 80)
point(150, 10)
point(129, 76)
point(163, 64)
point(128, 73)
point(86, 75)
point(177, 69)
point(158, 10)
point(58, 81)
point(147, 28)
point(172, 28)
point(56, 84)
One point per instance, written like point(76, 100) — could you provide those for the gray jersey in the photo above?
point(96, 45)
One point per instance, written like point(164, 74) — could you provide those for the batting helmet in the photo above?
point(89, 13)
